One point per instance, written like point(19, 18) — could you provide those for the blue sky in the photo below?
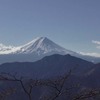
point(74, 24)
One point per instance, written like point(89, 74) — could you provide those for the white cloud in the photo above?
point(90, 54)
point(96, 42)
point(93, 54)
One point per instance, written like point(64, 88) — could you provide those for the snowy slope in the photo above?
point(41, 45)
point(35, 50)
point(32, 51)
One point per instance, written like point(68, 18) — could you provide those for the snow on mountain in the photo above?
point(5, 49)
point(32, 51)
point(35, 50)
point(39, 46)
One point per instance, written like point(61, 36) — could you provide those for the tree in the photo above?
point(56, 86)
point(13, 78)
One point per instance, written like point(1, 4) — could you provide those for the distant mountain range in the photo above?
point(83, 72)
point(35, 50)
point(44, 59)
point(50, 66)
point(54, 66)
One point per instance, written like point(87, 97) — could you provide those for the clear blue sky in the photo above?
point(70, 23)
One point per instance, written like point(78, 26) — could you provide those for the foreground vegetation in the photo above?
point(56, 89)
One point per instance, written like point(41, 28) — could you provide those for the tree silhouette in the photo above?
point(57, 88)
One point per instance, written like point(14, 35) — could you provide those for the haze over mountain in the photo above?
point(35, 50)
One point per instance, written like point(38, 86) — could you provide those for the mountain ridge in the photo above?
point(48, 66)
point(36, 50)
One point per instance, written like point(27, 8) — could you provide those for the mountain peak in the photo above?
point(40, 46)
point(38, 39)
point(43, 38)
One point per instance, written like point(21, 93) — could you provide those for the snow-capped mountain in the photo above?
point(32, 51)
point(37, 46)
point(35, 50)
point(42, 46)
